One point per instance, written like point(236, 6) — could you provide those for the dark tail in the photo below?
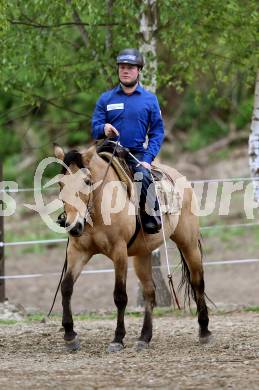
point(186, 280)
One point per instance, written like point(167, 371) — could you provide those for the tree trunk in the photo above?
point(80, 26)
point(254, 141)
point(108, 38)
point(2, 258)
point(148, 27)
point(163, 295)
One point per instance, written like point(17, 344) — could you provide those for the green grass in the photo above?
point(229, 238)
point(8, 322)
point(31, 235)
point(225, 234)
point(158, 312)
point(35, 317)
point(221, 154)
point(93, 316)
point(254, 309)
point(210, 131)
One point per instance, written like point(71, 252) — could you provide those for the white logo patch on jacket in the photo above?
point(115, 106)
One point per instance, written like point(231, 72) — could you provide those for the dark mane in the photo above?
point(73, 157)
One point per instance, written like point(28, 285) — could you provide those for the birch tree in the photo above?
point(254, 142)
point(148, 48)
point(109, 5)
point(148, 45)
point(59, 56)
point(49, 49)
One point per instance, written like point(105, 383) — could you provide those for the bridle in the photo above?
point(89, 207)
point(117, 143)
point(87, 213)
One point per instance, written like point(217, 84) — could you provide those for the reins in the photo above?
point(170, 277)
point(64, 269)
point(110, 162)
point(60, 281)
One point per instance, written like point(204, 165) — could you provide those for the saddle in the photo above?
point(164, 184)
point(121, 169)
point(106, 150)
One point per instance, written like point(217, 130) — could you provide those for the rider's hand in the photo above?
point(110, 131)
point(145, 165)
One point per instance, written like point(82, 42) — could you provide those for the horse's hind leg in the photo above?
point(120, 260)
point(75, 263)
point(191, 256)
point(143, 268)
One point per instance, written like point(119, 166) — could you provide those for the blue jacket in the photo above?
point(134, 116)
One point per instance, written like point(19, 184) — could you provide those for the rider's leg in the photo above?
point(148, 203)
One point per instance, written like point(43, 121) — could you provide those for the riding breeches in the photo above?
point(145, 187)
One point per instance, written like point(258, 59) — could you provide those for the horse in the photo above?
point(97, 230)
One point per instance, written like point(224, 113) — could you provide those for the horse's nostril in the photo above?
point(77, 230)
point(80, 227)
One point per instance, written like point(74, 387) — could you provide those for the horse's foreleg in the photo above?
point(120, 300)
point(75, 264)
point(143, 268)
point(192, 261)
point(67, 320)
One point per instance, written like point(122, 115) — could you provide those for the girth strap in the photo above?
point(138, 226)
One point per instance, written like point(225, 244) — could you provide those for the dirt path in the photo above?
point(33, 357)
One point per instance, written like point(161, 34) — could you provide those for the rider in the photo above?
point(130, 112)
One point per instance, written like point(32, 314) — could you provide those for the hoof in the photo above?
point(115, 347)
point(206, 339)
point(72, 345)
point(140, 345)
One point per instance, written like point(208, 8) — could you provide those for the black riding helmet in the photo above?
point(131, 56)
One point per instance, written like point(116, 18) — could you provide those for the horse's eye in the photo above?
point(87, 182)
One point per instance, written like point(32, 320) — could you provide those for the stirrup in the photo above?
point(151, 227)
point(151, 224)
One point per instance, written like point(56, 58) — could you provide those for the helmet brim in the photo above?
point(130, 63)
point(127, 62)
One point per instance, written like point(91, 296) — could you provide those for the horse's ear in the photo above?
point(59, 152)
point(88, 154)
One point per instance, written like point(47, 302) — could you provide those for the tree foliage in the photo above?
point(57, 57)
point(44, 50)
point(209, 37)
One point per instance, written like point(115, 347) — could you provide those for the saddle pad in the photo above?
point(165, 188)
point(123, 176)
point(169, 199)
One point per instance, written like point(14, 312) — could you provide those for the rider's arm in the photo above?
point(155, 133)
point(99, 119)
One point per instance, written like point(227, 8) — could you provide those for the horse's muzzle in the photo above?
point(76, 230)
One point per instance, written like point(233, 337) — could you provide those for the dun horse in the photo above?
point(89, 235)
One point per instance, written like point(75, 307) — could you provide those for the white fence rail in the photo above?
point(10, 190)
point(63, 240)
point(111, 270)
point(59, 240)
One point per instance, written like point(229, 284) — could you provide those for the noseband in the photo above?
point(61, 221)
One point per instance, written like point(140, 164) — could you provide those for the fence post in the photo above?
point(2, 264)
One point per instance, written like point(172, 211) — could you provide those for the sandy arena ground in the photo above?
point(33, 356)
